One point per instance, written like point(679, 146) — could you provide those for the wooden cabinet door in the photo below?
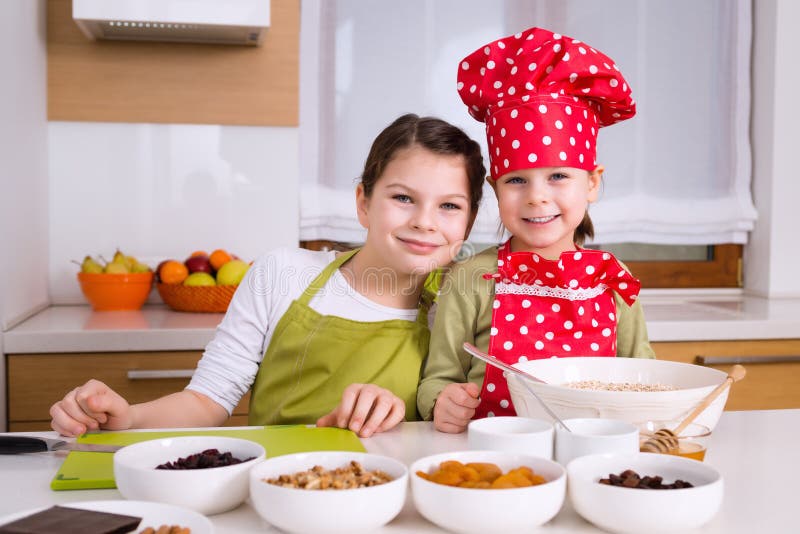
point(36, 381)
point(773, 368)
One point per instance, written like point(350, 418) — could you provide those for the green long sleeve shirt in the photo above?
point(464, 314)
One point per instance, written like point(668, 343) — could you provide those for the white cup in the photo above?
point(594, 436)
point(520, 435)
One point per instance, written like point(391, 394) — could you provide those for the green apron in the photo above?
point(312, 358)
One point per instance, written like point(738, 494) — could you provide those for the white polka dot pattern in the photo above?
point(561, 95)
point(555, 320)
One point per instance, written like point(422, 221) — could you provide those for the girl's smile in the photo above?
point(540, 220)
point(422, 247)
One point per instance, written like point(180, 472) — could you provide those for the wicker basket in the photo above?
point(208, 299)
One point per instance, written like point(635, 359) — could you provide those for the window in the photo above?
point(677, 174)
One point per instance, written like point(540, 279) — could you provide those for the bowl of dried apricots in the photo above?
point(487, 491)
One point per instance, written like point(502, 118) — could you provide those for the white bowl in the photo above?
point(594, 436)
point(489, 510)
point(301, 510)
point(208, 491)
point(692, 383)
point(621, 509)
point(512, 434)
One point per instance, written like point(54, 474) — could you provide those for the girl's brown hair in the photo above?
point(584, 230)
point(434, 134)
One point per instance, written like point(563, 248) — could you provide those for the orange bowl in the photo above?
point(199, 299)
point(106, 292)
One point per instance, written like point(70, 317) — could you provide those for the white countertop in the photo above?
point(698, 317)
point(79, 329)
point(753, 451)
point(681, 317)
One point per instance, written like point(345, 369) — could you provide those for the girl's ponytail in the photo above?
point(584, 230)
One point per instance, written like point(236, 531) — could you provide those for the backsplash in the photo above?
point(161, 191)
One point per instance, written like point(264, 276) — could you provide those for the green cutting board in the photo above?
point(95, 470)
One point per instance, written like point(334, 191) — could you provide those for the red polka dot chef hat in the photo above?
point(543, 97)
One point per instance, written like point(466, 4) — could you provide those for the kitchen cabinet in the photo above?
point(773, 368)
point(174, 83)
point(36, 381)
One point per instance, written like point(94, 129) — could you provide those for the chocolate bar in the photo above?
point(65, 520)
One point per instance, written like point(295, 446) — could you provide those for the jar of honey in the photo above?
point(692, 442)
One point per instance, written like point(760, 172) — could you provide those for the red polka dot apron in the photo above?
point(551, 308)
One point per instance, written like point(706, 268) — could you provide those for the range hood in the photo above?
point(241, 22)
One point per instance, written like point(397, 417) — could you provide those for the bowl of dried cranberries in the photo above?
point(208, 474)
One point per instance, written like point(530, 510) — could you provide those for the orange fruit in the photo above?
point(173, 272)
point(198, 253)
point(218, 258)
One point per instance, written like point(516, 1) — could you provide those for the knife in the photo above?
point(10, 444)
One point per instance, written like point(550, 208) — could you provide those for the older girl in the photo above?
point(337, 340)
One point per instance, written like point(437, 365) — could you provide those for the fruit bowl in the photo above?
point(107, 292)
point(201, 299)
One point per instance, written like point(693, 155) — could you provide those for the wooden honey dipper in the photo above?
point(664, 440)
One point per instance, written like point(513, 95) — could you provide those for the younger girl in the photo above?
point(337, 340)
point(543, 96)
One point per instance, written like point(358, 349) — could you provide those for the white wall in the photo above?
point(161, 191)
point(23, 166)
point(23, 159)
point(772, 256)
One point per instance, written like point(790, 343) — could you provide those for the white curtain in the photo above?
point(677, 173)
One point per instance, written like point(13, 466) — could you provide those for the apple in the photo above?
point(198, 264)
point(199, 279)
point(232, 273)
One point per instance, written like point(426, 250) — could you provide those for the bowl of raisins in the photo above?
point(209, 474)
point(643, 492)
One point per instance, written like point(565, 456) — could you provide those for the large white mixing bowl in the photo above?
point(691, 382)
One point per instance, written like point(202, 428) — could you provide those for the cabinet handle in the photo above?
point(730, 360)
point(157, 374)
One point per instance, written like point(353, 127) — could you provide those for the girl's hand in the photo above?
point(90, 407)
point(366, 409)
point(455, 407)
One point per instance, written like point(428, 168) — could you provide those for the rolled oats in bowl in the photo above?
point(599, 385)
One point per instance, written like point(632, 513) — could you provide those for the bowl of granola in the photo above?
point(328, 491)
point(631, 389)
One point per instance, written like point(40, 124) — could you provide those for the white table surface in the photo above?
point(756, 452)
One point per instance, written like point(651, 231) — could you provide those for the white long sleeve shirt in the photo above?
point(231, 360)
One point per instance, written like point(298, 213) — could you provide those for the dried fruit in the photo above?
point(206, 459)
point(482, 476)
point(631, 479)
